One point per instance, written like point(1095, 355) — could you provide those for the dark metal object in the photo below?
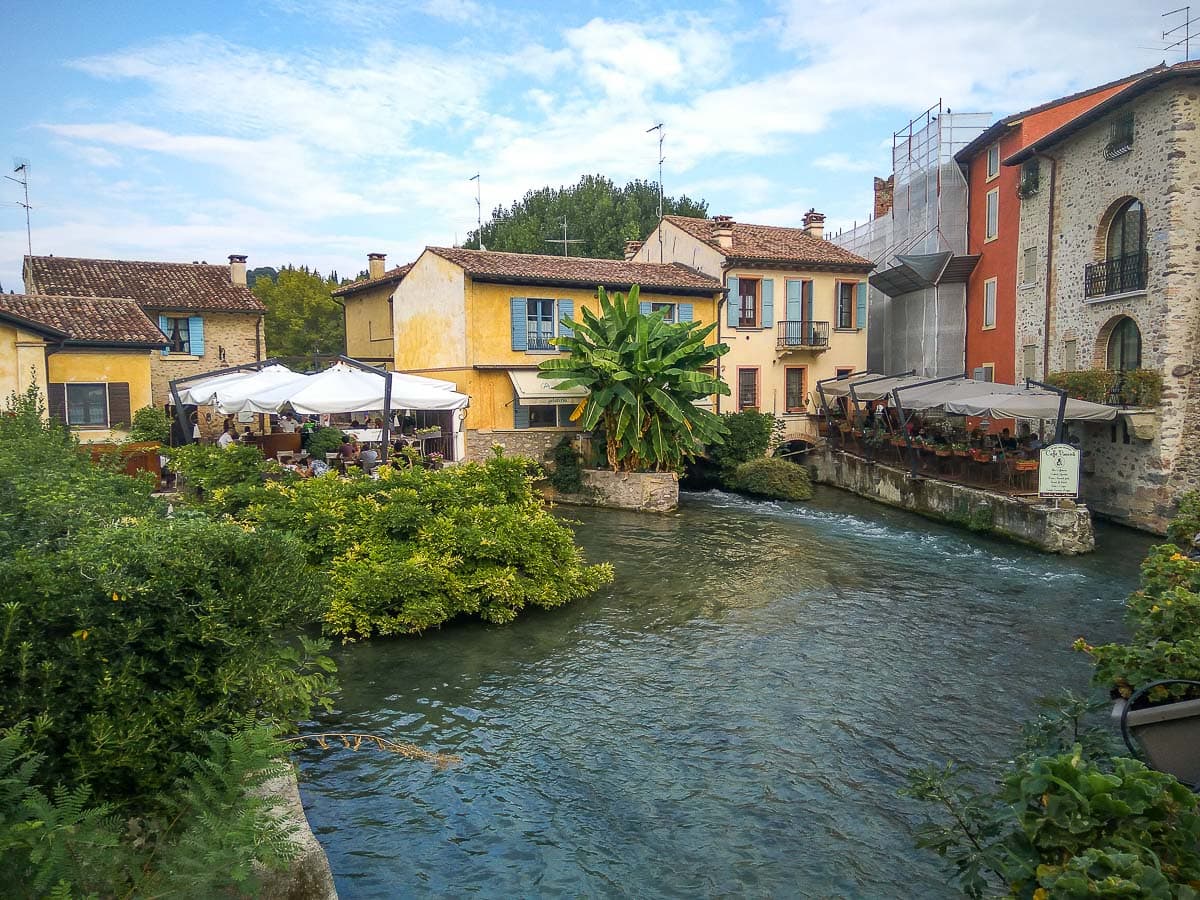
point(173, 386)
point(802, 335)
point(905, 417)
point(1062, 405)
point(1119, 275)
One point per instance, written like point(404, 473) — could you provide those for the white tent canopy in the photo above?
point(1031, 403)
point(203, 391)
point(259, 392)
point(840, 387)
point(941, 393)
point(882, 389)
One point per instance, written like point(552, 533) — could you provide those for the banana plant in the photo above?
point(643, 376)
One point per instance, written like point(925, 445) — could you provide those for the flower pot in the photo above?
point(1169, 735)
point(963, 453)
point(943, 452)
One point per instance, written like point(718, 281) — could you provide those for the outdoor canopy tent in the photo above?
point(1032, 403)
point(257, 392)
point(932, 394)
point(881, 388)
point(342, 388)
point(840, 387)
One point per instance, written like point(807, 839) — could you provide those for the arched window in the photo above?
point(1125, 346)
point(1127, 231)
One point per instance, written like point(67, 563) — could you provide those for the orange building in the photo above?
point(993, 226)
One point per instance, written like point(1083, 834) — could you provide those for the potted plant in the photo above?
point(1155, 678)
point(981, 456)
point(961, 449)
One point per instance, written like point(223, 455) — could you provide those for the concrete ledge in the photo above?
point(1066, 530)
point(643, 491)
point(309, 876)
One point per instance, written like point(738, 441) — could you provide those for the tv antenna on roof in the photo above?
point(21, 166)
point(478, 208)
point(661, 160)
point(1186, 25)
point(564, 240)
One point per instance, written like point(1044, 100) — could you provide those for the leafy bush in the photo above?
point(150, 424)
point(772, 477)
point(567, 475)
point(750, 434)
point(323, 441)
point(1135, 387)
point(418, 547)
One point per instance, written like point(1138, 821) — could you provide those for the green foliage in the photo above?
point(323, 441)
point(1164, 619)
point(1135, 387)
point(567, 475)
point(642, 377)
point(417, 547)
point(302, 319)
point(209, 826)
point(749, 438)
point(229, 472)
point(772, 477)
point(1185, 527)
point(600, 214)
point(150, 424)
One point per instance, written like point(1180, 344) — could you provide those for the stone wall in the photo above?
point(642, 491)
point(1138, 483)
point(1067, 530)
point(536, 443)
point(235, 334)
point(309, 876)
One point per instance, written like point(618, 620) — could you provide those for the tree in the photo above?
point(643, 377)
point(600, 214)
point(303, 319)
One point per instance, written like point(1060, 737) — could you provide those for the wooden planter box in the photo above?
point(1026, 465)
point(897, 442)
point(980, 456)
point(138, 456)
point(965, 454)
point(944, 453)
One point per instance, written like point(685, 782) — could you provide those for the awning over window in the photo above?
point(914, 271)
point(534, 391)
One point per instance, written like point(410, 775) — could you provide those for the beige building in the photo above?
point(1106, 279)
point(796, 312)
point(209, 316)
point(367, 311)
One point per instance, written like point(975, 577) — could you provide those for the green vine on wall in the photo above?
point(1133, 387)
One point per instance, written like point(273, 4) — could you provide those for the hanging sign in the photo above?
point(1058, 471)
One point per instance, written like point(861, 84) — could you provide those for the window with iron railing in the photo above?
point(802, 334)
point(540, 324)
point(1121, 275)
point(1120, 136)
point(1030, 175)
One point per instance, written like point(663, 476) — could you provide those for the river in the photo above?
point(733, 715)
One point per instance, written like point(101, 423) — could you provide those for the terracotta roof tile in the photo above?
point(154, 285)
point(573, 271)
point(772, 244)
point(87, 320)
point(391, 276)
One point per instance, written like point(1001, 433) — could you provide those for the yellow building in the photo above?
point(797, 311)
point(209, 316)
point(90, 357)
point(484, 320)
point(367, 311)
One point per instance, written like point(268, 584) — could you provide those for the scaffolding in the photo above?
point(924, 329)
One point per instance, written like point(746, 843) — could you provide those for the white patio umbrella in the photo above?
point(343, 388)
point(1030, 404)
point(263, 392)
point(202, 391)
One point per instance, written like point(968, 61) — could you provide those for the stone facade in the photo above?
point(536, 443)
point(641, 491)
point(1065, 529)
point(1138, 482)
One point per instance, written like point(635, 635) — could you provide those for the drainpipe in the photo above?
point(721, 301)
point(1049, 304)
point(258, 339)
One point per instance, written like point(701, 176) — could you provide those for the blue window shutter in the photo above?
point(520, 413)
point(520, 331)
point(564, 416)
point(644, 307)
point(795, 303)
point(768, 302)
point(683, 312)
point(733, 302)
point(860, 314)
point(566, 310)
point(162, 326)
point(196, 335)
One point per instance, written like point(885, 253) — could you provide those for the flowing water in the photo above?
point(732, 716)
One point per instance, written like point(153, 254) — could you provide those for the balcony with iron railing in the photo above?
point(1120, 275)
point(539, 340)
point(802, 336)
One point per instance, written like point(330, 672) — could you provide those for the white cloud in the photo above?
point(842, 162)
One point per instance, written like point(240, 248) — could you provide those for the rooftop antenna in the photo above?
point(564, 240)
point(661, 160)
point(21, 167)
point(478, 208)
point(1186, 25)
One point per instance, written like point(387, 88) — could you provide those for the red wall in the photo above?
point(1000, 258)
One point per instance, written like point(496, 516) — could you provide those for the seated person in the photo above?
point(226, 438)
point(354, 423)
point(368, 458)
point(247, 437)
point(349, 449)
point(1007, 441)
point(318, 467)
point(1033, 443)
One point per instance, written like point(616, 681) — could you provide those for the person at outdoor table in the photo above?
point(349, 450)
point(1034, 442)
point(287, 424)
point(247, 437)
point(226, 438)
point(318, 467)
point(368, 459)
point(1007, 441)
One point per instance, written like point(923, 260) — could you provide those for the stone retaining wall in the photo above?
point(536, 443)
point(1066, 530)
point(643, 491)
point(308, 877)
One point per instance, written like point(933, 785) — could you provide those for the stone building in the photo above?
point(1109, 247)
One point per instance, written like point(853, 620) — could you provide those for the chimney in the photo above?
point(376, 264)
point(814, 224)
point(631, 249)
point(237, 269)
point(723, 231)
point(884, 194)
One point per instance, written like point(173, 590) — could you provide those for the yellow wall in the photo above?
point(369, 324)
point(429, 311)
point(105, 365)
point(22, 361)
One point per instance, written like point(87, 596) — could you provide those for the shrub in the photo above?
point(772, 477)
point(1135, 387)
point(567, 475)
point(150, 424)
point(323, 441)
point(750, 435)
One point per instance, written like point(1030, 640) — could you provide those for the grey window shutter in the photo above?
point(566, 310)
point(768, 302)
point(683, 312)
point(162, 326)
point(519, 311)
point(520, 413)
point(56, 402)
point(119, 413)
point(196, 335)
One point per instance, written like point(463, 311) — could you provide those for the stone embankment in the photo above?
point(642, 491)
point(1065, 529)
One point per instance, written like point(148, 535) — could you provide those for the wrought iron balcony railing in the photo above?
point(538, 341)
point(802, 336)
point(1120, 275)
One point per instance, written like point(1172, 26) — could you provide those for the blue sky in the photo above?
point(314, 132)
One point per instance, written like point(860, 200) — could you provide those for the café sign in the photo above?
point(1058, 471)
